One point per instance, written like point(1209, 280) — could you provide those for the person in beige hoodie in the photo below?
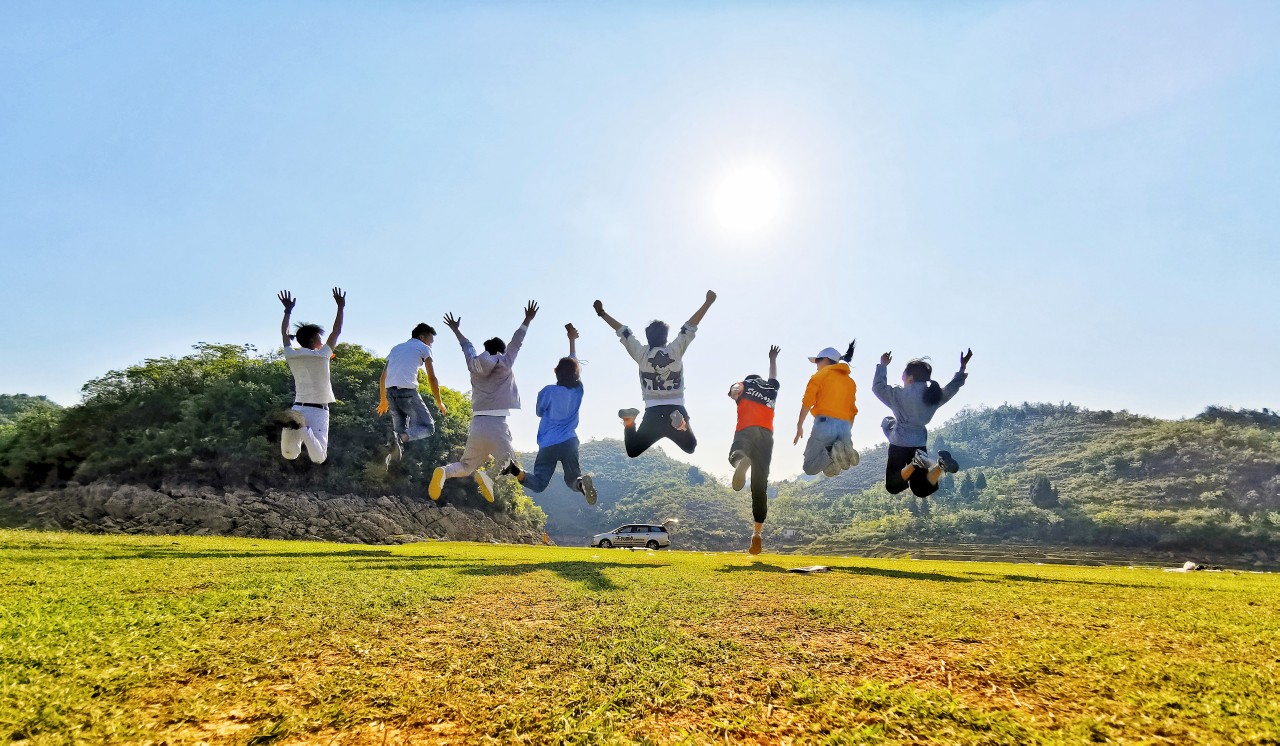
point(494, 397)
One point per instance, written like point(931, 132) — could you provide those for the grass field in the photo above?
point(182, 640)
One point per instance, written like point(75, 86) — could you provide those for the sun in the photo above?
point(747, 199)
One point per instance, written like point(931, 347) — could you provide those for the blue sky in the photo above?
point(1084, 192)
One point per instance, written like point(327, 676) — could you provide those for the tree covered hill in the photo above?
point(13, 406)
point(208, 419)
point(1058, 473)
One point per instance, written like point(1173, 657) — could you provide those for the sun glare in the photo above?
point(747, 199)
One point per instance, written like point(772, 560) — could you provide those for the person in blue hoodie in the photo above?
point(913, 405)
point(558, 407)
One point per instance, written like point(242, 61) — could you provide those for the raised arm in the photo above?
point(696, 318)
point(773, 362)
point(613, 323)
point(953, 387)
point(340, 298)
point(288, 301)
point(880, 383)
point(573, 339)
point(517, 339)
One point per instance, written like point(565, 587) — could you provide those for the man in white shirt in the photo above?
point(398, 394)
point(307, 423)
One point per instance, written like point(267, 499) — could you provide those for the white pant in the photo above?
point(314, 435)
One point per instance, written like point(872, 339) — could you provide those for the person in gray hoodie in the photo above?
point(493, 398)
point(913, 405)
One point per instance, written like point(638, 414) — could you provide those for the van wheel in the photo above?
point(653, 544)
point(606, 544)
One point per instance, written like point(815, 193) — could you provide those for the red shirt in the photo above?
point(755, 405)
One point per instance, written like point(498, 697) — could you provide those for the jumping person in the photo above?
point(307, 422)
point(661, 382)
point(752, 448)
point(831, 396)
point(558, 406)
point(913, 404)
point(398, 391)
point(494, 397)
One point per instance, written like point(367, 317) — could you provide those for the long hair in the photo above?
point(920, 370)
point(848, 354)
point(567, 373)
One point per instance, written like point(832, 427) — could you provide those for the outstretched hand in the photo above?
point(964, 359)
point(886, 358)
point(340, 297)
point(571, 331)
point(773, 352)
point(530, 310)
point(599, 308)
point(452, 322)
point(711, 297)
point(287, 300)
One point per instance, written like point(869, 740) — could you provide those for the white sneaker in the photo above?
point(922, 461)
point(740, 468)
point(485, 483)
point(678, 421)
point(844, 455)
point(631, 413)
point(887, 425)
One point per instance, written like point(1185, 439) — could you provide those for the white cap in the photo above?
point(829, 353)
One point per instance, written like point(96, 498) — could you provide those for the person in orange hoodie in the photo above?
point(830, 396)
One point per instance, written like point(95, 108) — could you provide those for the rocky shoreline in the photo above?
point(206, 511)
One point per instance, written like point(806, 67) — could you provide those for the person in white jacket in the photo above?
point(661, 382)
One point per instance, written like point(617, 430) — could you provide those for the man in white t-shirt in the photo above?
point(307, 423)
point(398, 391)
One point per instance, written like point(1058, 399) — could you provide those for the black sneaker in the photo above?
point(512, 469)
point(587, 488)
point(948, 464)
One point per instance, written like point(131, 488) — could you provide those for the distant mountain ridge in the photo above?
point(1032, 473)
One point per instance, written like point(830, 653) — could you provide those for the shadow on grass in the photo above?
point(587, 573)
point(903, 574)
point(45, 554)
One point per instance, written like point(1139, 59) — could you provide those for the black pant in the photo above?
point(756, 443)
point(656, 425)
point(899, 457)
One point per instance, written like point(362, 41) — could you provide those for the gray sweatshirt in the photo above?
point(908, 407)
point(493, 383)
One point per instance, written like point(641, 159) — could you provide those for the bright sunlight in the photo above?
point(748, 199)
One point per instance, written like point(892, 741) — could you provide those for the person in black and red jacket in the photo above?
point(752, 448)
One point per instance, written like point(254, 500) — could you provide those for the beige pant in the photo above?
point(489, 436)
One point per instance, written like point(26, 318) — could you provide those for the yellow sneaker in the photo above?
point(437, 483)
point(485, 483)
point(757, 544)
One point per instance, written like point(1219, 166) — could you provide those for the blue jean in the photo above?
point(409, 414)
point(826, 431)
point(565, 454)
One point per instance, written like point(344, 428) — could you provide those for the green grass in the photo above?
point(178, 640)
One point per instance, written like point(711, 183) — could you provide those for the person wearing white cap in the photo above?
point(831, 396)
